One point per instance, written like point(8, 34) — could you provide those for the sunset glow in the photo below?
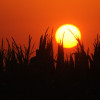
point(67, 34)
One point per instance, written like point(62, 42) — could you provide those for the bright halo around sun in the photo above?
point(68, 34)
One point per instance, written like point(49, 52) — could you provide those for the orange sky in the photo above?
point(18, 18)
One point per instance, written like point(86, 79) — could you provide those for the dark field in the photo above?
point(36, 78)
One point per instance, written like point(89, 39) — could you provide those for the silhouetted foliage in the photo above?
point(42, 76)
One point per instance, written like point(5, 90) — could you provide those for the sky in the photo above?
point(19, 18)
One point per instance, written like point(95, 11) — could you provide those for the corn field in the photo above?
point(22, 74)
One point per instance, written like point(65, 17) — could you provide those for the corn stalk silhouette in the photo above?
point(80, 44)
point(83, 53)
point(77, 38)
point(1, 56)
point(23, 56)
point(42, 45)
point(96, 55)
point(9, 49)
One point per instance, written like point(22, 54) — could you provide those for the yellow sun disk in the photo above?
point(69, 40)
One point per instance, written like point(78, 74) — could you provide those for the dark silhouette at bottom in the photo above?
point(43, 77)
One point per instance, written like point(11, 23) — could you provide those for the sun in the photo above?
point(68, 34)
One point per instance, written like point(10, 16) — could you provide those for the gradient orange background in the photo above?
point(19, 18)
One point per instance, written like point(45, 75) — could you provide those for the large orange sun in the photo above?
point(68, 34)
